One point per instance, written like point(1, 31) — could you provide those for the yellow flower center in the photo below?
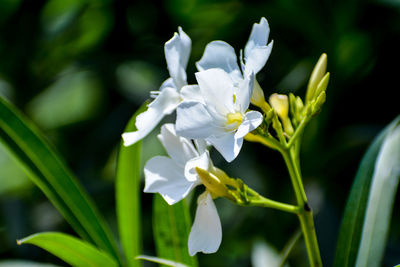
point(235, 117)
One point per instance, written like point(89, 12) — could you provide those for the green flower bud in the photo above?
point(316, 77)
point(280, 103)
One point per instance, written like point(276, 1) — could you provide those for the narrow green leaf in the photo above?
point(128, 196)
point(380, 203)
point(171, 225)
point(352, 223)
point(70, 249)
point(45, 168)
point(24, 263)
point(161, 261)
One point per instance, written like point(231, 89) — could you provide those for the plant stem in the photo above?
point(305, 214)
point(261, 201)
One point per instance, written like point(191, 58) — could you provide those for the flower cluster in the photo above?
point(214, 112)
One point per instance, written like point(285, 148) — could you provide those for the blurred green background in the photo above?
point(80, 68)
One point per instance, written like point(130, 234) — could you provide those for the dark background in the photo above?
point(80, 68)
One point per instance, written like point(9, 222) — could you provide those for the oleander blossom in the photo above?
point(174, 177)
point(219, 54)
point(221, 118)
point(172, 91)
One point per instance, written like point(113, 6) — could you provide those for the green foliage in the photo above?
point(161, 261)
point(351, 230)
point(22, 263)
point(51, 175)
point(171, 225)
point(128, 191)
point(70, 249)
point(382, 194)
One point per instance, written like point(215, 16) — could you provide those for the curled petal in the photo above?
point(203, 161)
point(257, 58)
point(186, 46)
point(244, 93)
point(165, 103)
point(219, 54)
point(227, 145)
point(258, 36)
point(251, 121)
point(177, 51)
point(168, 83)
point(164, 176)
point(206, 233)
point(178, 148)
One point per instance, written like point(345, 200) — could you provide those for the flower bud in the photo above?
point(323, 84)
point(258, 98)
point(214, 184)
point(280, 103)
point(317, 104)
point(316, 77)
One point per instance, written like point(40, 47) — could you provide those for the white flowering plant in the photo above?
point(226, 107)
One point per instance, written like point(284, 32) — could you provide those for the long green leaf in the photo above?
point(380, 203)
point(353, 219)
point(45, 168)
point(128, 196)
point(161, 261)
point(171, 225)
point(70, 249)
point(24, 263)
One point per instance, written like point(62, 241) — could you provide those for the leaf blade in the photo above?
point(128, 195)
point(380, 203)
point(161, 261)
point(50, 174)
point(352, 223)
point(70, 249)
point(171, 226)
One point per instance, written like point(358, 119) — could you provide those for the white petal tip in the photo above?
point(130, 138)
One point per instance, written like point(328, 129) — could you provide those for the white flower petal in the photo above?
point(219, 54)
point(194, 121)
point(227, 145)
point(201, 145)
point(164, 176)
point(164, 104)
point(251, 121)
point(206, 233)
point(178, 148)
point(191, 93)
point(243, 93)
point(217, 89)
point(258, 36)
point(186, 46)
point(168, 83)
point(176, 52)
point(203, 162)
point(257, 58)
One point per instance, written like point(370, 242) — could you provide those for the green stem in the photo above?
point(305, 214)
point(299, 131)
point(268, 203)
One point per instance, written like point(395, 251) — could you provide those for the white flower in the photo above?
point(175, 176)
point(172, 91)
point(219, 54)
point(221, 118)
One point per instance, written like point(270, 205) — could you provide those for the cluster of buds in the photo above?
point(287, 112)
